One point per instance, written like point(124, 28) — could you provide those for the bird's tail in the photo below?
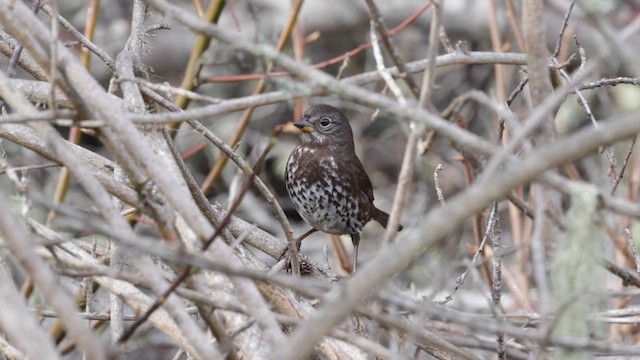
point(382, 217)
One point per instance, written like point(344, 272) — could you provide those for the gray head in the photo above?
point(324, 125)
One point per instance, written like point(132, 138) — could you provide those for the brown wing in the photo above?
point(365, 186)
point(362, 179)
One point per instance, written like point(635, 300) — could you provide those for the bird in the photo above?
point(326, 181)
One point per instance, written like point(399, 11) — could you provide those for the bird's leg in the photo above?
point(298, 241)
point(355, 239)
point(302, 237)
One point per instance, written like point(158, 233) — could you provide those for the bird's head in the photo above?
point(324, 125)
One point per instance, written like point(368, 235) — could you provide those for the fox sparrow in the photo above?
point(325, 179)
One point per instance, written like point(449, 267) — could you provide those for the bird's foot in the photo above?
point(298, 243)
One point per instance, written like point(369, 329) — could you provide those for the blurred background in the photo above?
point(326, 30)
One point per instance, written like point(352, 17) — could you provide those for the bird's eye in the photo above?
point(325, 121)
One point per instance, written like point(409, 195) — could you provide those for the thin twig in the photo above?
point(585, 104)
point(53, 47)
point(90, 27)
point(496, 293)
point(102, 54)
point(377, 54)
point(343, 67)
point(436, 182)
point(627, 277)
point(166, 88)
point(517, 91)
point(460, 279)
point(610, 82)
point(29, 167)
point(496, 45)
point(379, 26)
point(617, 180)
point(565, 22)
point(634, 250)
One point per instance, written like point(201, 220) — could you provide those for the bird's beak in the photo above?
point(304, 125)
